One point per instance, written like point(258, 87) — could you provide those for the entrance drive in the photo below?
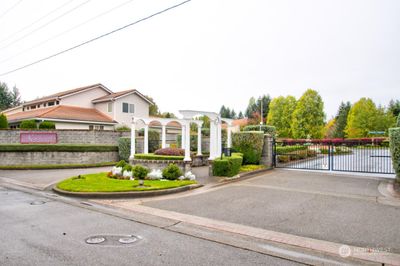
point(364, 155)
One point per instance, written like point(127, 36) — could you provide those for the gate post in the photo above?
point(267, 156)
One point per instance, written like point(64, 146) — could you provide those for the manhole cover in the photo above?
point(38, 202)
point(113, 240)
point(127, 240)
point(95, 240)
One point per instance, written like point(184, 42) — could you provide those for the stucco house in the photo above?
point(93, 107)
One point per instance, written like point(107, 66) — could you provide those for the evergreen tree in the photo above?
point(308, 117)
point(3, 121)
point(341, 120)
point(240, 116)
point(394, 107)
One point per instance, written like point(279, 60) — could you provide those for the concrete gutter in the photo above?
point(125, 194)
point(242, 176)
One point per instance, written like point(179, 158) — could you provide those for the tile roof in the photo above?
point(63, 112)
point(64, 93)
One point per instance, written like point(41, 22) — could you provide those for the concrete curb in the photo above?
point(241, 177)
point(127, 194)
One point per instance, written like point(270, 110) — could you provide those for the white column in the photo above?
point(229, 137)
point(219, 138)
point(163, 137)
point(198, 140)
point(133, 141)
point(183, 137)
point(212, 140)
point(187, 142)
point(146, 139)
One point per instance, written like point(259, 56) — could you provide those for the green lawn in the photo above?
point(101, 183)
point(250, 167)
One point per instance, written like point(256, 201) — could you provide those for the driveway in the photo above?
point(331, 207)
point(42, 179)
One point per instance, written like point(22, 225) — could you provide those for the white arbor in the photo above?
point(188, 115)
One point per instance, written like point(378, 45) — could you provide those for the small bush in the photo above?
point(151, 156)
point(3, 121)
point(122, 128)
point(121, 164)
point(170, 151)
point(124, 148)
point(394, 134)
point(47, 125)
point(28, 124)
point(271, 130)
point(127, 167)
point(227, 166)
point(250, 144)
point(398, 121)
point(172, 172)
point(140, 171)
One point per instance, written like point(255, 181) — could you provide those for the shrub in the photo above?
point(47, 125)
point(150, 156)
point(122, 128)
point(172, 172)
point(394, 134)
point(170, 151)
point(271, 130)
point(140, 171)
point(251, 167)
point(127, 167)
point(227, 166)
point(124, 148)
point(287, 149)
point(28, 124)
point(398, 121)
point(250, 144)
point(121, 164)
point(3, 121)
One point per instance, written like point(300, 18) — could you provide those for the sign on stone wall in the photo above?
point(38, 138)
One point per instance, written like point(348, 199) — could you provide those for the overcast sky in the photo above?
point(207, 52)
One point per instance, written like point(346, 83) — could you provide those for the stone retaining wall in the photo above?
point(43, 158)
point(68, 136)
point(161, 164)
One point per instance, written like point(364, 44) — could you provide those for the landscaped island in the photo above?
point(102, 183)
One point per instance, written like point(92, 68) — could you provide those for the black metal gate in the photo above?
point(364, 155)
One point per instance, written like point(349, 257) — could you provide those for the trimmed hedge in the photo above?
point(264, 128)
point(56, 147)
point(3, 121)
point(152, 156)
point(227, 166)
point(124, 148)
point(250, 144)
point(394, 134)
point(170, 152)
point(28, 124)
point(47, 125)
point(287, 149)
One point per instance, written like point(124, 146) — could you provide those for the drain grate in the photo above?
point(113, 240)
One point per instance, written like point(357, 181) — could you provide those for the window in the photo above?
point(51, 103)
point(110, 107)
point(125, 107)
point(91, 127)
point(128, 108)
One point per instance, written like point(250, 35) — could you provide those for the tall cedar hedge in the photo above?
point(394, 134)
point(249, 143)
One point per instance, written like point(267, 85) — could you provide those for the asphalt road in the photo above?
point(334, 208)
point(54, 233)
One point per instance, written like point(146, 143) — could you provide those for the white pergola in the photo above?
point(215, 132)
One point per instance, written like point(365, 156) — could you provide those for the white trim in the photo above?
point(88, 89)
point(124, 95)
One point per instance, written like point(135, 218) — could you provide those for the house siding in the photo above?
point(141, 109)
point(84, 99)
